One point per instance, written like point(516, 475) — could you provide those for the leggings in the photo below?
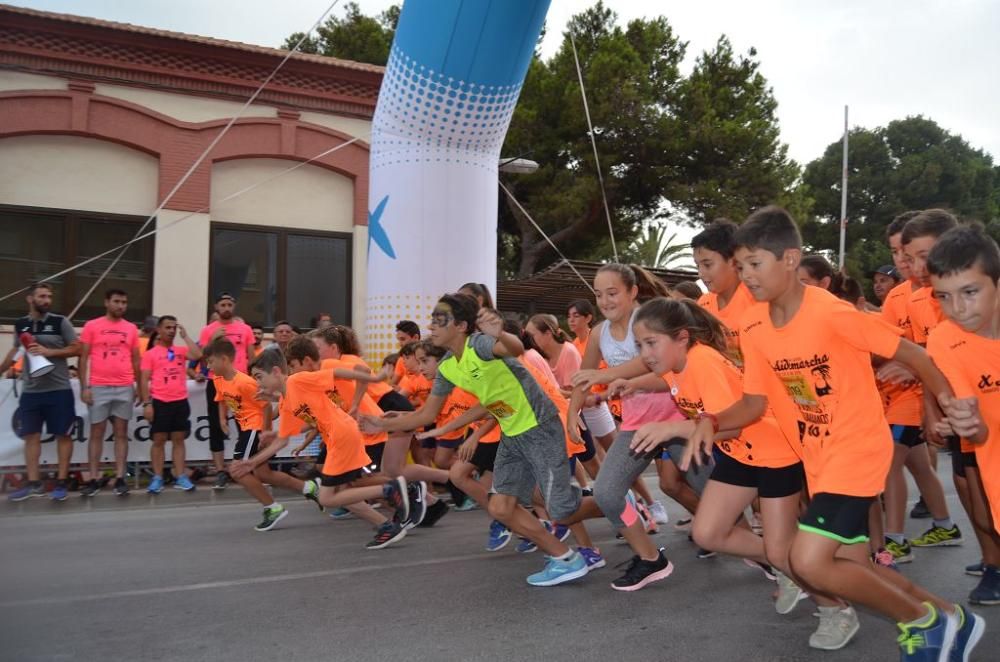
point(621, 468)
point(216, 435)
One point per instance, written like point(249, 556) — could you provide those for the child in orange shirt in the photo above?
point(239, 393)
point(304, 401)
point(808, 354)
point(965, 269)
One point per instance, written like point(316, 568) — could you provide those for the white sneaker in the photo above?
point(789, 594)
point(659, 513)
point(836, 628)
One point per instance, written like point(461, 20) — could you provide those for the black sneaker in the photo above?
point(417, 495)
point(919, 510)
point(221, 480)
point(434, 512)
point(587, 491)
point(271, 518)
point(396, 493)
point(90, 489)
point(640, 573)
point(121, 487)
point(196, 474)
point(705, 553)
point(312, 494)
point(168, 477)
point(387, 533)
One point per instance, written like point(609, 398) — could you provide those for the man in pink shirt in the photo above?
point(109, 366)
point(241, 335)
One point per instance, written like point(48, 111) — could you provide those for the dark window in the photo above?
point(37, 243)
point(278, 274)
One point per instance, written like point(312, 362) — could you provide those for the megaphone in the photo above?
point(36, 365)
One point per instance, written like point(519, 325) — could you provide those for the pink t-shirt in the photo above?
point(538, 361)
point(168, 366)
point(567, 365)
point(111, 345)
point(238, 333)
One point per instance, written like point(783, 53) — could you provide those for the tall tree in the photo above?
point(352, 36)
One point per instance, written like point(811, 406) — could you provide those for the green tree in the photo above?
point(653, 248)
point(353, 36)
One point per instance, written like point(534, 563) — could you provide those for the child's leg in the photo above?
point(876, 526)
point(461, 475)
point(506, 509)
point(714, 527)
point(334, 497)
point(580, 475)
point(672, 484)
point(278, 478)
point(444, 457)
point(255, 488)
point(982, 521)
point(896, 491)
point(620, 471)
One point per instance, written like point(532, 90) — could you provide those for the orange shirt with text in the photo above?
point(903, 404)
point(240, 396)
point(730, 316)
point(342, 391)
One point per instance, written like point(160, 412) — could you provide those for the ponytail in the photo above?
point(545, 322)
point(648, 285)
point(670, 317)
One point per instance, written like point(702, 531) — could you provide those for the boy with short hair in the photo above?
point(964, 267)
point(407, 331)
point(239, 393)
point(808, 354)
point(304, 401)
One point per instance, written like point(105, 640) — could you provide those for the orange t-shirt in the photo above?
point(615, 404)
point(143, 342)
point(972, 365)
point(730, 316)
point(817, 375)
point(417, 388)
point(341, 392)
point(456, 404)
point(903, 404)
point(925, 314)
point(375, 389)
point(712, 382)
point(307, 400)
point(240, 396)
point(551, 389)
point(399, 369)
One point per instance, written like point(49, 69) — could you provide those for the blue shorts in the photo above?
point(53, 410)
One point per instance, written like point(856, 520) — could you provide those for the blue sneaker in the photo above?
point(970, 631)
point(58, 492)
point(559, 531)
point(155, 485)
point(593, 557)
point(467, 505)
point(525, 546)
point(182, 483)
point(988, 591)
point(557, 572)
point(341, 513)
point(928, 641)
point(499, 537)
point(27, 492)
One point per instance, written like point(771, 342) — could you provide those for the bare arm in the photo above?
point(474, 414)
point(84, 367)
point(194, 351)
point(410, 421)
point(144, 378)
point(8, 360)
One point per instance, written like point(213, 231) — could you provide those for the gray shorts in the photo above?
point(537, 457)
point(112, 401)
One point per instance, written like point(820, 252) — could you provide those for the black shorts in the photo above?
point(53, 410)
point(907, 435)
point(375, 452)
point(394, 401)
point(169, 417)
point(485, 456)
point(969, 462)
point(590, 450)
point(247, 445)
point(838, 516)
point(341, 479)
point(770, 482)
point(451, 443)
point(955, 448)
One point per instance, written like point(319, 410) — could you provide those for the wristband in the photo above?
point(710, 417)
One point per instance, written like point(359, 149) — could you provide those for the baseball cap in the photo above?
point(887, 270)
point(222, 296)
point(149, 323)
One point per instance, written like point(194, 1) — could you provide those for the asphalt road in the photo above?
point(185, 577)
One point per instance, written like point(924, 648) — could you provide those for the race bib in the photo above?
point(500, 409)
point(799, 390)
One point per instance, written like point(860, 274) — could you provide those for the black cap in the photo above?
point(222, 296)
point(887, 270)
point(149, 323)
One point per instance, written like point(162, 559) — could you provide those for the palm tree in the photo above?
point(653, 249)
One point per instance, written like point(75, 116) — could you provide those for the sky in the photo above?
point(886, 59)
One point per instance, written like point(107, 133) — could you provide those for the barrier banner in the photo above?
point(12, 447)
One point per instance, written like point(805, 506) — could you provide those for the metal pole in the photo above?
point(843, 198)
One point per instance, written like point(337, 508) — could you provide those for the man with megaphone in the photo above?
point(46, 340)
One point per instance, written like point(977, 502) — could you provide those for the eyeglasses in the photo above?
point(441, 319)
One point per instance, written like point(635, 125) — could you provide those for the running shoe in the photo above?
point(920, 510)
point(929, 641)
point(647, 519)
point(560, 531)
point(183, 483)
point(938, 536)
point(705, 553)
point(988, 591)
point(388, 532)
point(467, 504)
point(587, 491)
point(683, 524)
point(558, 572)
point(27, 492)
point(764, 568)
point(640, 573)
point(90, 489)
point(121, 487)
point(311, 493)
point(901, 552)
point(593, 557)
point(221, 480)
point(837, 627)
point(500, 535)
point(976, 569)
point(341, 513)
point(418, 504)
point(272, 515)
point(883, 557)
point(434, 512)
point(396, 492)
point(756, 525)
point(970, 631)
point(659, 513)
point(155, 485)
point(789, 594)
point(525, 546)
point(58, 492)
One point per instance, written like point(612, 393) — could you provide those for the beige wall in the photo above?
point(359, 280)
point(15, 80)
point(180, 270)
point(349, 125)
point(69, 172)
point(309, 198)
point(186, 108)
